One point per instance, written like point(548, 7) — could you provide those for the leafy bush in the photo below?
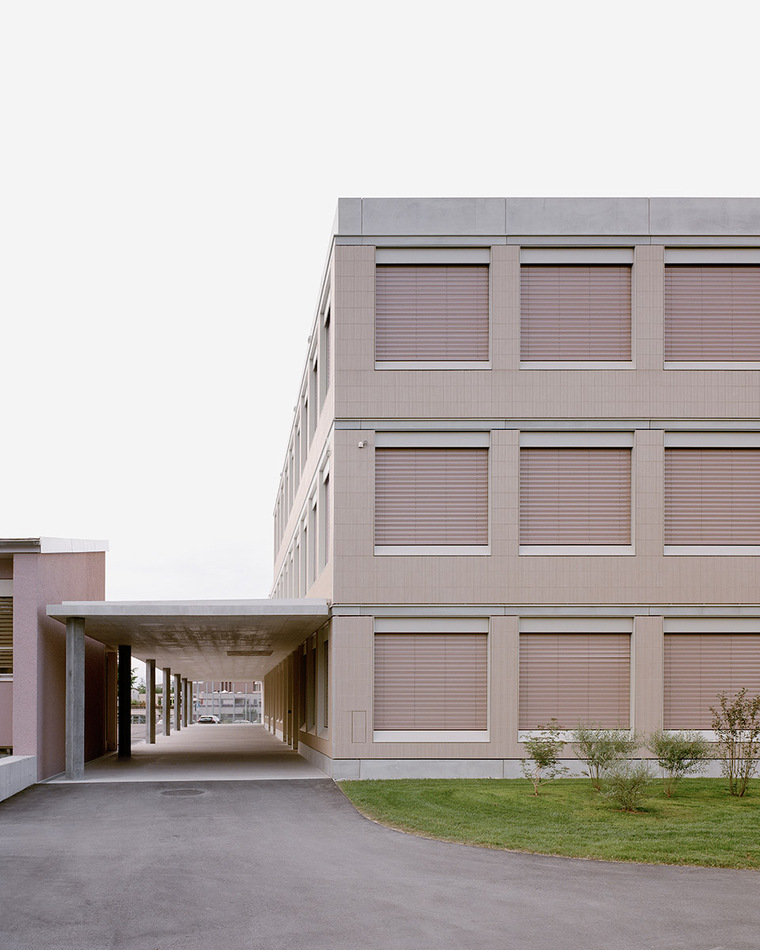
point(736, 721)
point(678, 754)
point(627, 784)
point(543, 764)
point(602, 749)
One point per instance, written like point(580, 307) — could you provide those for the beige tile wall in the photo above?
point(506, 392)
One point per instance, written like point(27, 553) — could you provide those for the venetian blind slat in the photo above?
point(699, 666)
point(431, 312)
point(431, 496)
point(712, 496)
point(575, 313)
point(574, 678)
point(712, 313)
point(431, 681)
point(575, 496)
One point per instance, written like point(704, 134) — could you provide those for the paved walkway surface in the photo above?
point(222, 752)
point(284, 865)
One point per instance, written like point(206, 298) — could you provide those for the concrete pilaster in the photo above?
point(75, 698)
point(150, 701)
point(167, 700)
point(177, 702)
point(125, 701)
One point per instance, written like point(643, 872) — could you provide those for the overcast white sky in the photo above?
point(163, 166)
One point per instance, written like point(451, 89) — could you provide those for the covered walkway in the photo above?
point(204, 753)
point(189, 641)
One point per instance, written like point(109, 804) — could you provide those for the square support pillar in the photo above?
point(112, 700)
point(150, 701)
point(75, 698)
point(167, 700)
point(125, 701)
point(177, 702)
point(184, 703)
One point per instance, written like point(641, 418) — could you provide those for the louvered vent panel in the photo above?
point(575, 678)
point(575, 313)
point(431, 681)
point(431, 312)
point(712, 313)
point(575, 496)
point(431, 496)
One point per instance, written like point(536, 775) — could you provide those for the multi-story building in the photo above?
point(524, 468)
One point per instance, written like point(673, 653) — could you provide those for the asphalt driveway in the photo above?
point(290, 864)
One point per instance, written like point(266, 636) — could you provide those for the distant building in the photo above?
point(228, 700)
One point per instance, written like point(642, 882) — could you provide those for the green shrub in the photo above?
point(602, 749)
point(736, 721)
point(627, 784)
point(678, 754)
point(543, 764)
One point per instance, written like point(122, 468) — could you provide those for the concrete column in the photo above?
point(177, 702)
point(111, 700)
point(74, 698)
point(150, 701)
point(184, 702)
point(125, 700)
point(167, 696)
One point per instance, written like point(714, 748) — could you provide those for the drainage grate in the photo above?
point(184, 791)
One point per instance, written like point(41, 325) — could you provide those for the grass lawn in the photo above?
point(701, 825)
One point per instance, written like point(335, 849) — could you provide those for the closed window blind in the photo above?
point(699, 666)
point(431, 496)
point(431, 312)
point(575, 496)
point(6, 635)
point(575, 678)
point(712, 313)
point(575, 313)
point(712, 496)
point(431, 681)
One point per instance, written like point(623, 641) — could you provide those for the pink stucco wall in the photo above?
point(39, 675)
point(6, 714)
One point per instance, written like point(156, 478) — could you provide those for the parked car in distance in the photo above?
point(241, 722)
point(208, 719)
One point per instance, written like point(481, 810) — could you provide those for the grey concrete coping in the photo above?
point(550, 216)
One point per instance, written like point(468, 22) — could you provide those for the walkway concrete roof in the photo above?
point(202, 639)
point(51, 546)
